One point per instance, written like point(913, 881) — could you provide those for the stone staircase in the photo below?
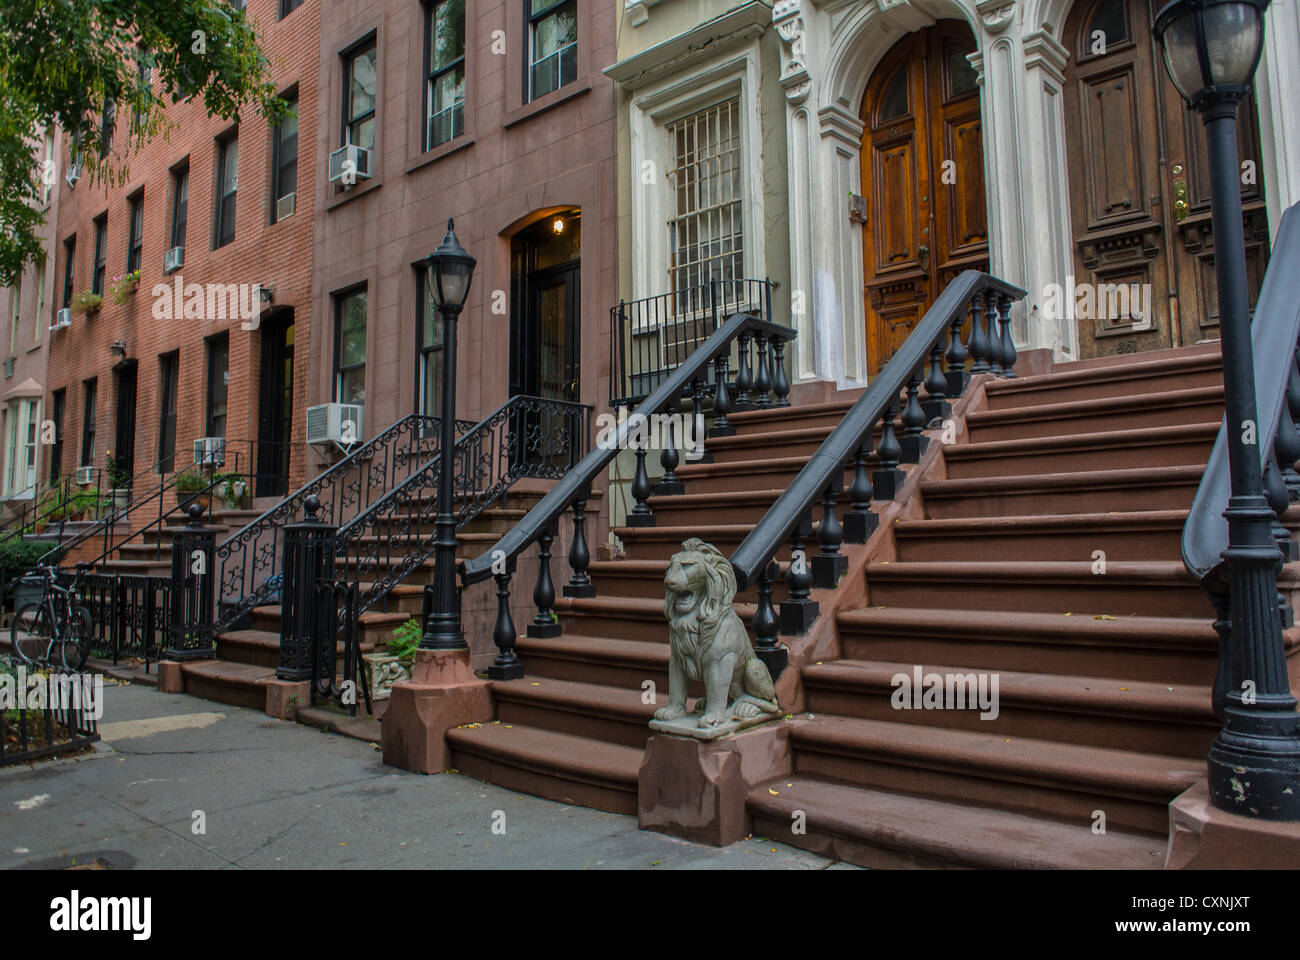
point(1042, 547)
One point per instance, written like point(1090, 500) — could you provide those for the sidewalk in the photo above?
point(279, 794)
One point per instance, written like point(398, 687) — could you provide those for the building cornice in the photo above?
point(734, 28)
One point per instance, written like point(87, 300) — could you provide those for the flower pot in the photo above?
point(121, 497)
point(382, 671)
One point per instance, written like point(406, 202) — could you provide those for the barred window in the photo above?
point(705, 227)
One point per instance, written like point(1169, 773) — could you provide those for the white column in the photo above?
point(1277, 89)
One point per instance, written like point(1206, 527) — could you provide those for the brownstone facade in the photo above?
point(517, 160)
point(269, 248)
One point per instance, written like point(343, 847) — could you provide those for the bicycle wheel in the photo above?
point(74, 647)
point(29, 636)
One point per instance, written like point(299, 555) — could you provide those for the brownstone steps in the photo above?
point(746, 504)
point(1132, 535)
point(547, 763)
point(1182, 369)
point(226, 681)
point(629, 618)
point(1172, 409)
point(1061, 781)
point(598, 660)
point(883, 829)
point(1173, 650)
point(1146, 588)
point(1087, 491)
point(612, 714)
point(644, 579)
point(660, 543)
point(1174, 445)
point(826, 414)
point(755, 474)
point(1158, 718)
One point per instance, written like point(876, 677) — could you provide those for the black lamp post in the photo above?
point(450, 270)
point(1211, 49)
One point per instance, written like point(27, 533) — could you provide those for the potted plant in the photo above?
point(86, 302)
point(394, 664)
point(189, 487)
point(121, 287)
point(118, 481)
point(232, 488)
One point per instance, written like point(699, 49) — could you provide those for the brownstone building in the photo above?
point(495, 113)
point(213, 342)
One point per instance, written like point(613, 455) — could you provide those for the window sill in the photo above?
point(553, 99)
point(347, 195)
point(456, 145)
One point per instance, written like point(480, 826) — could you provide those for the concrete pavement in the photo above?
point(183, 783)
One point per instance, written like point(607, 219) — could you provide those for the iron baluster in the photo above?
point(888, 479)
point(545, 624)
point(799, 610)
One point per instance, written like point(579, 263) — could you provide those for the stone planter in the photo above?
point(382, 671)
point(121, 497)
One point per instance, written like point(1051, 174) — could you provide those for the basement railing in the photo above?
point(248, 562)
point(1274, 333)
point(539, 526)
point(893, 401)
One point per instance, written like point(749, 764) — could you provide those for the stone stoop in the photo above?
point(1042, 546)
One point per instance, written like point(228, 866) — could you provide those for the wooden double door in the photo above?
point(1139, 190)
point(923, 180)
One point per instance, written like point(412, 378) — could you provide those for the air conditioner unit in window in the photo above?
point(173, 259)
point(62, 319)
point(348, 162)
point(210, 451)
point(74, 173)
point(334, 423)
point(285, 206)
point(85, 476)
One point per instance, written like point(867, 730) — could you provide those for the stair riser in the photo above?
point(1152, 384)
point(1075, 544)
point(1135, 418)
point(579, 671)
point(1048, 502)
point(1081, 598)
point(549, 786)
point(1170, 738)
point(651, 586)
point(637, 547)
point(761, 477)
point(1059, 802)
point(763, 447)
point(1043, 656)
point(624, 732)
point(600, 625)
point(1188, 453)
point(674, 512)
point(252, 696)
point(847, 849)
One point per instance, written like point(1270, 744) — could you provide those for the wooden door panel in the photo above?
point(966, 219)
point(894, 176)
point(1114, 175)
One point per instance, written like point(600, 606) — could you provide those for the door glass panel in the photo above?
point(961, 75)
point(1107, 26)
point(894, 103)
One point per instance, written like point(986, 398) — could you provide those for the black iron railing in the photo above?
point(1275, 332)
point(572, 492)
point(248, 562)
point(524, 437)
point(650, 337)
point(29, 733)
point(895, 393)
point(129, 614)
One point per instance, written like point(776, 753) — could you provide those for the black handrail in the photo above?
point(510, 443)
point(1274, 333)
point(577, 482)
point(841, 447)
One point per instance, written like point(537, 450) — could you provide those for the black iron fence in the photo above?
point(29, 733)
point(129, 615)
point(652, 336)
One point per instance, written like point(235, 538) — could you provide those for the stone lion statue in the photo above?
point(709, 643)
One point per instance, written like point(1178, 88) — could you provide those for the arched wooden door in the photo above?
point(923, 179)
point(1139, 190)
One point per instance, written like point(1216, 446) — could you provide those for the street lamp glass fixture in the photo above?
point(1211, 47)
point(450, 269)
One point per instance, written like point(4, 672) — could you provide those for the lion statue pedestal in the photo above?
point(709, 644)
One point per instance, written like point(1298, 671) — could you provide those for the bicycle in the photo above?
point(56, 620)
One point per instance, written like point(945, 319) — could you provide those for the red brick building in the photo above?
point(227, 207)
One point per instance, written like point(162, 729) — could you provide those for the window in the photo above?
point(705, 229)
point(101, 254)
point(552, 45)
point(350, 347)
point(144, 79)
point(428, 393)
point(218, 385)
point(58, 404)
point(284, 159)
point(445, 57)
point(47, 173)
point(13, 318)
point(88, 424)
point(40, 300)
point(288, 6)
point(69, 256)
point(168, 365)
point(20, 446)
point(180, 205)
point(135, 240)
point(106, 123)
point(359, 97)
point(223, 230)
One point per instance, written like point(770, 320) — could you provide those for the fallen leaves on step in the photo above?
point(1104, 616)
point(773, 792)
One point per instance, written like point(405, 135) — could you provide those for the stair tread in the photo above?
point(593, 699)
point(1186, 702)
point(229, 671)
point(729, 497)
point(1102, 769)
point(549, 752)
point(1105, 440)
point(1043, 521)
point(1143, 630)
point(1092, 406)
point(970, 835)
point(599, 649)
point(1165, 571)
point(1092, 479)
point(1184, 359)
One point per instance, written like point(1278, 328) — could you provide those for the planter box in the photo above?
point(382, 671)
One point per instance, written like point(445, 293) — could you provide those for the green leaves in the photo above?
point(63, 61)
